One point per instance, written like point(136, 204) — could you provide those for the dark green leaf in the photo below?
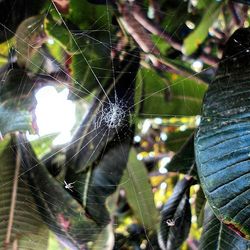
point(217, 236)
point(176, 217)
point(183, 160)
point(222, 141)
point(21, 226)
point(92, 187)
point(12, 13)
point(200, 203)
point(90, 16)
point(242, 1)
point(177, 139)
point(63, 215)
point(139, 193)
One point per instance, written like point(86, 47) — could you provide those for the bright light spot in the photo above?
point(54, 113)
point(194, 219)
point(163, 136)
point(51, 41)
point(139, 157)
point(194, 2)
point(183, 127)
point(190, 24)
point(163, 185)
point(145, 126)
point(197, 120)
point(158, 120)
point(197, 66)
point(163, 170)
point(151, 12)
point(164, 161)
point(137, 139)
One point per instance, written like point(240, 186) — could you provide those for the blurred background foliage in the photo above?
point(60, 44)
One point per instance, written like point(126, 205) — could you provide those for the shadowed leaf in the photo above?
point(183, 160)
point(176, 217)
point(63, 215)
point(21, 225)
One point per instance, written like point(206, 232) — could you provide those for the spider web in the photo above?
point(115, 111)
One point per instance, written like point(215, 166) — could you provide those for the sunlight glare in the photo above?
point(55, 113)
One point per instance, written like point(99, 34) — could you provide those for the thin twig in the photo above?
point(236, 18)
point(13, 198)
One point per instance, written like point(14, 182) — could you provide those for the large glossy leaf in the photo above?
point(21, 226)
point(222, 141)
point(176, 217)
point(217, 236)
point(63, 214)
point(197, 37)
point(16, 101)
point(139, 193)
point(169, 94)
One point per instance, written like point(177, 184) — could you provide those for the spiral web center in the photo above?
point(113, 115)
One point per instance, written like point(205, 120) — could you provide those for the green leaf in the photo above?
point(61, 35)
point(16, 101)
point(169, 94)
point(21, 226)
point(197, 37)
point(176, 217)
point(95, 16)
point(139, 193)
point(217, 236)
point(43, 144)
point(62, 214)
point(200, 203)
point(222, 142)
point(183, 160)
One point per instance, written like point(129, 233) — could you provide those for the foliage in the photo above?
point(150, 164)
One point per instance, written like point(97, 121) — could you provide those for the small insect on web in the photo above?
point(171, 222)
point(69, 186)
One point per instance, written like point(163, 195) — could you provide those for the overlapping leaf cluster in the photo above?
point(137, 57)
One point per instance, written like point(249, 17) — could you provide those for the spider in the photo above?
point(171, 222)
point(69, 185)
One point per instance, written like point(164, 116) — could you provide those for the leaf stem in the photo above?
point(13, 198)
